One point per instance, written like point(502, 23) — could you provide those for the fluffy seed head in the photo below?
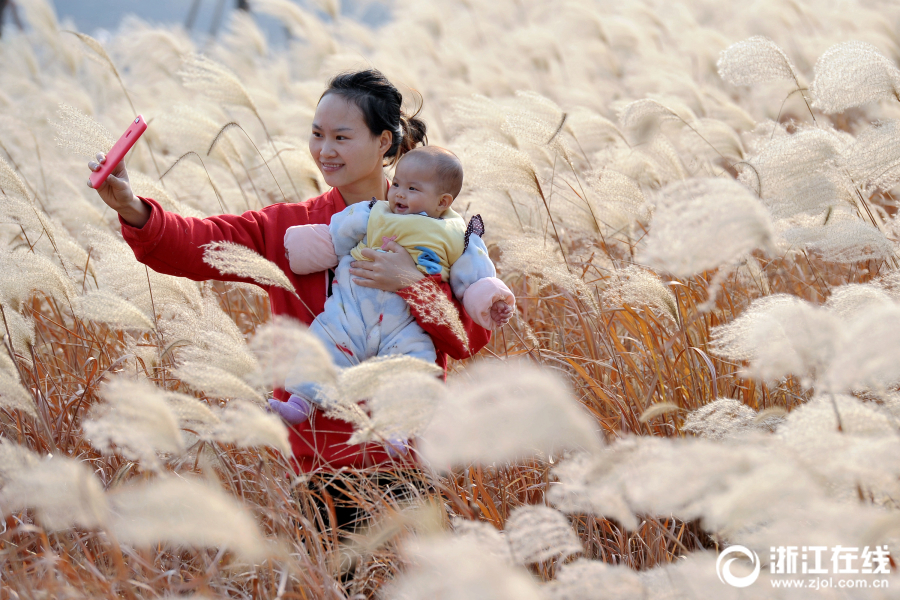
point(755, 60)
point(726, 222)
point(851, 74)
point(235, 259)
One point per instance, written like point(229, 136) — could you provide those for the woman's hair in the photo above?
point(380, 103)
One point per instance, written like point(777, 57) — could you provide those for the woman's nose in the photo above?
point(328, 150)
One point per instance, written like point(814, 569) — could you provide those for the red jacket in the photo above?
point(171, 244)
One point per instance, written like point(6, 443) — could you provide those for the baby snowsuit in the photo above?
point(359, 322)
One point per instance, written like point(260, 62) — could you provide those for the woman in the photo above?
point(358, 127)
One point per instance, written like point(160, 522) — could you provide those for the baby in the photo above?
point(359, 322)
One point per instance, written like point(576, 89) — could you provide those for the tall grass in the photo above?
point(700, 228)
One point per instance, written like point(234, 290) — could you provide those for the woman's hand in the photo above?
point(388, 271)
point(116, 193)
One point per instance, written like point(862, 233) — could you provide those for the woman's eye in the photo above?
point(316, 134)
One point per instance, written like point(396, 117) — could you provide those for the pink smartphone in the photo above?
point(118, 151)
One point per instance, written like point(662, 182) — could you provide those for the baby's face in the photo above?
point(415, 189)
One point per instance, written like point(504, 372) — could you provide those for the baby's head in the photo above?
point(427, 179)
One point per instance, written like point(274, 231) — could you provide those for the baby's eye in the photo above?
point(394, 184)
point(412, 189)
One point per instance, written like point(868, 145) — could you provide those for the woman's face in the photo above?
point(344, 149)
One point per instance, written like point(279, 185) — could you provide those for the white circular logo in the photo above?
point(723, 567)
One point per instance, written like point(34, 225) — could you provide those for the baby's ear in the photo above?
point(446, 201)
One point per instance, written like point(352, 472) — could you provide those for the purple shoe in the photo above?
point(295, 410)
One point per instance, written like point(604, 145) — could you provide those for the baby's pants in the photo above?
point(360, 323)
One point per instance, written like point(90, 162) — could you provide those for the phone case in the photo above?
point(118, 151)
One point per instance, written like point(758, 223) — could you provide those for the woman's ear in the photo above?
point(385, 142)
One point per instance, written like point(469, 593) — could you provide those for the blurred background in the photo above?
point(204, 18)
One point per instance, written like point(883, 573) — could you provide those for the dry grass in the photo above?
point(638, 367)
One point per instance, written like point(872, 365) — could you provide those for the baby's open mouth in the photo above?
point(398, 206)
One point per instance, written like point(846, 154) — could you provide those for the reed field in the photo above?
point(694, 203)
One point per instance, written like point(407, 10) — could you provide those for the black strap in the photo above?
point(476, 226)
point(372, 203)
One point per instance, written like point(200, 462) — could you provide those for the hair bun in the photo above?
point(412, 133)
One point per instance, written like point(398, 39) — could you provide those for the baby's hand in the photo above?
point(500, 312)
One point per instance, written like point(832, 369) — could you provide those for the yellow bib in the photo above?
point(444, 236)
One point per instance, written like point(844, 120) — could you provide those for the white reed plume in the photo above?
point(852, 300)
point(457, 567)
point(21, 333)
point(591, 130)
point(11, 183)
point(533, 255)
point(183, 512)
point(281, 343)
point(477, 112)
point(721, 418)
point(216, 81)
point(537, 120)
point(13, 395)
point(597, 580)
point(844, 457)
point(25, 272)
point(843, 240)
point(135, 421)
point(749, 487)
point(536, 407)
point(498, 166)
point(310, 362)
point(117, 271)
point(361, 381)
point(62, 491)
point(80, 134)
point(851, 74)
point(755, 60)
point(106, 307)
point(780, 335)
point(539, 533)
point(619, 203)
point(642, 118)
point(192, 414)
point(639, 287)
point(246, 425)
point(379, 376)
point(580, 490)
point(149, 187)
point(490, 540)
point(235, 259)
point(800, 173)
point(726, 220)
point(401, 407)
point(214, 381)
point(301, 23)
point(869, 356)
point(873, 161)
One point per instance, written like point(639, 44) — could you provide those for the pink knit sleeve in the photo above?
point(481, 295)
point(309, 249)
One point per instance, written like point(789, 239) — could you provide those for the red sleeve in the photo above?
point(171, 244)
point(445, 340)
